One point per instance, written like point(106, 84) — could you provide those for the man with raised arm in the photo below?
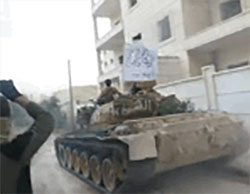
point(16, 154)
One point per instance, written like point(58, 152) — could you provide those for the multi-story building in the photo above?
point(188, 34)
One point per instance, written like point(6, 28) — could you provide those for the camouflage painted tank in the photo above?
point(128, 141)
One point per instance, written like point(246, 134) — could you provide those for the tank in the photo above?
point(128, 140)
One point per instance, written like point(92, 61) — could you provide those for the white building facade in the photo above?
point(189, 34)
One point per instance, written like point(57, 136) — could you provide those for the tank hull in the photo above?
point(139, 148)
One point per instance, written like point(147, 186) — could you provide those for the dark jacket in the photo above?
point(15, 156)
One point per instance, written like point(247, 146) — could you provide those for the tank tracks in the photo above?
point(100, 163)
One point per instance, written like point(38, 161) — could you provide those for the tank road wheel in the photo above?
point(95, 169)
point(109, 174)
point(76, 160)
point(84, 164)
point(69, 157)
point(120, 171)
point(62, 155)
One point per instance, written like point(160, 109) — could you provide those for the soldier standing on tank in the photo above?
point(108, 94)
point(134, 89)
point(16, 154)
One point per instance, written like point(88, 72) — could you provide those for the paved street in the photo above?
point(49, 178)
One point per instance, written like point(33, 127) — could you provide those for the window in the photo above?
point(137, 37)
point(230, 9)
point(132, 3)
point(121, 59)
point(164, 29)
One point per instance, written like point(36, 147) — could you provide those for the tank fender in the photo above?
point(141, 146)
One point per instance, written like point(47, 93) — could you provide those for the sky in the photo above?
point(44, 35)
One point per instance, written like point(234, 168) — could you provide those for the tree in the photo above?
point(52, 105)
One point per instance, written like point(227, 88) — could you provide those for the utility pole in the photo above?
point(72, 117)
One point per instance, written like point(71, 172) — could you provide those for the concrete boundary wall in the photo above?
point(182, 90)
point(227, 90)
point(233, 90)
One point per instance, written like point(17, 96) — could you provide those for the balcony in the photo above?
point(106, 8)
point(113, 40)
point(218, 34)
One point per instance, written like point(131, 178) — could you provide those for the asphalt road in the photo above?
point(207, 178)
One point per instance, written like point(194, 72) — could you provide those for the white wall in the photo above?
point(144, 17)
point(168, 70)
point(192, 9)
point(227, 90)
point(214, 10)
point(245, 4)
point(231, 90)
point(192, 89)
